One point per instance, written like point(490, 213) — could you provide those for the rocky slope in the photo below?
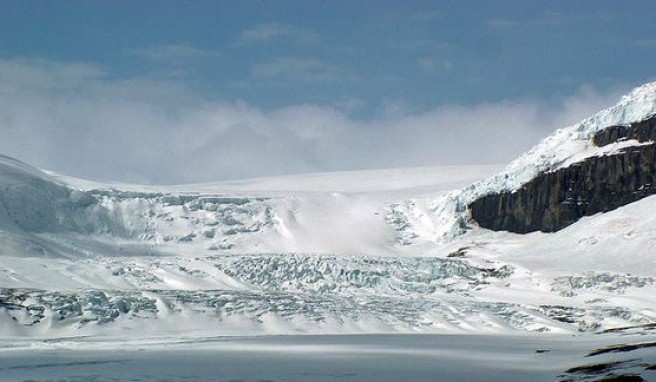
point(553, 200)
point(451, 214)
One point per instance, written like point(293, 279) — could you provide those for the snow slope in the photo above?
point(324, 253)
point(354, 252)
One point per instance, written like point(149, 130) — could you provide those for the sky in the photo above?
point(163, 92)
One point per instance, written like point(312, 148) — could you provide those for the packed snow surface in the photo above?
point(380, 358)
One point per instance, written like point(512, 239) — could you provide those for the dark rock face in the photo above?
point(643, 131)
point(554, 200)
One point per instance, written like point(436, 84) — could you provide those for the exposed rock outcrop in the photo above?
point(554, 200)
point(643, 131)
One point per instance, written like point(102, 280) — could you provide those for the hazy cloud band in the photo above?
point(76, 119)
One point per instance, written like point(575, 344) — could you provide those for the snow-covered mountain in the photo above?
point(374, 251)
point(566, 147)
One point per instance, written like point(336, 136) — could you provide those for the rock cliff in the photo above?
point(556, 199)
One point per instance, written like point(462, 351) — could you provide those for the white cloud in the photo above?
point(266, 32)
point(425, 45)
point(23, 74)
point(503, 23)
point(644, 43)
point(76, 119)
point(350, 104)
point(173, 52)
point(300, 69)
point(550, 19)
point(428, 16)
point(434, 65)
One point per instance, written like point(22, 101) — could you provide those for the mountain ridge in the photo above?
point(555, 199)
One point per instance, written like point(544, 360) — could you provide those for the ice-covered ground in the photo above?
point(84, 263)
point(328, 253)
point(417, 358)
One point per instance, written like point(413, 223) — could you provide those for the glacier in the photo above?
point(101, 265)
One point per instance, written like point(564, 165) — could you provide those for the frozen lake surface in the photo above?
point(323, 358)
